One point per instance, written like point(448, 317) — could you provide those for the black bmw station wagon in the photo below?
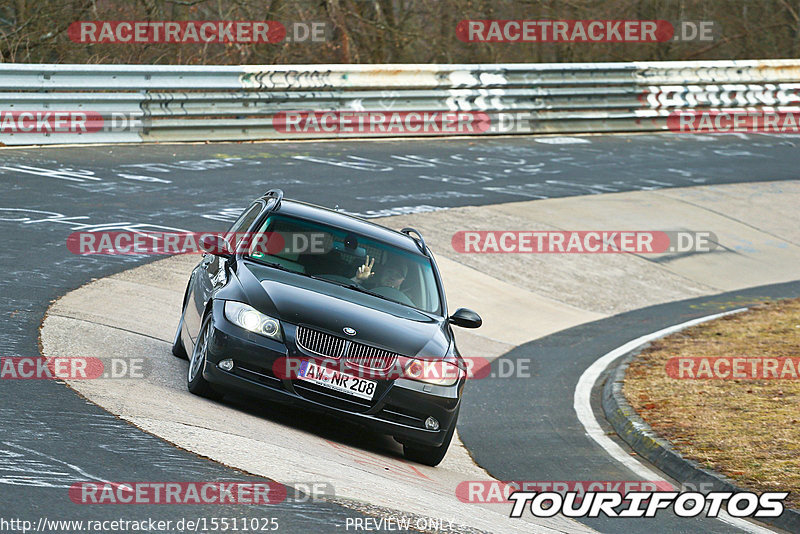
point(328, 311)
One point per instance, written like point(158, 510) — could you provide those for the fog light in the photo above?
point(227, 365)
point(431, 424)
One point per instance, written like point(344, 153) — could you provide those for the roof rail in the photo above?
point(418, 240)
point(277, 194)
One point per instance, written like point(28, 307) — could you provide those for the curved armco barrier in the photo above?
point(753, 222)
point(144, 103)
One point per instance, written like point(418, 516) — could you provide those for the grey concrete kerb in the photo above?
point(658, 451)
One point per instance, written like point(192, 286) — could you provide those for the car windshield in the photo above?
point(348, 259)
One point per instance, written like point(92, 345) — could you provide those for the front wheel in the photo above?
point(194, 380)
point(429, 455)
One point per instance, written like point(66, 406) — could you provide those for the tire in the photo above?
point(428, 455)
point(195, 382)
point(178, 350)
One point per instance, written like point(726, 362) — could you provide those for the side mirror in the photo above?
point(216, 245)
point(465, 318)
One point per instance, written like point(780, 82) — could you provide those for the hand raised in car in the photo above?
point(365, 271)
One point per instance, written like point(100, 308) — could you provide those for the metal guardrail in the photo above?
point(198, 103)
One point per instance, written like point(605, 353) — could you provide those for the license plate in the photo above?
point(336, 380)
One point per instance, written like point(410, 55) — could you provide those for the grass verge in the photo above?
point(747, 429)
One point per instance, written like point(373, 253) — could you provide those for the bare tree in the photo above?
point(395, 31)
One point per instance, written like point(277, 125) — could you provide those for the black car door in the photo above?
point(211, 274)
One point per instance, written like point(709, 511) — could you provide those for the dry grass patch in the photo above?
point(747, 429)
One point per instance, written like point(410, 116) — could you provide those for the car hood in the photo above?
point(329, 307)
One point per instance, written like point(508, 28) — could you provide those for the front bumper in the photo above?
point(399, 407)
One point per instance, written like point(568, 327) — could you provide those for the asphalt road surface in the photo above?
point(527, 429)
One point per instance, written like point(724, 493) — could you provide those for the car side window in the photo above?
point(246, 219)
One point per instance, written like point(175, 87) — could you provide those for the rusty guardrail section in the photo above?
point(142, 103)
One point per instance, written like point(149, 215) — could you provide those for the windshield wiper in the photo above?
point(274, 265)
point(368, 292)
point(278, 266)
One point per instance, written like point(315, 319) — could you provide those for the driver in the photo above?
point(391, 275)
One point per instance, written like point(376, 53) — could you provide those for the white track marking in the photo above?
point(583, 409)
point(561, 140)
point(31, 481)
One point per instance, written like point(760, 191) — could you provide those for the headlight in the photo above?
point(437, 372)
point(253, 320)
